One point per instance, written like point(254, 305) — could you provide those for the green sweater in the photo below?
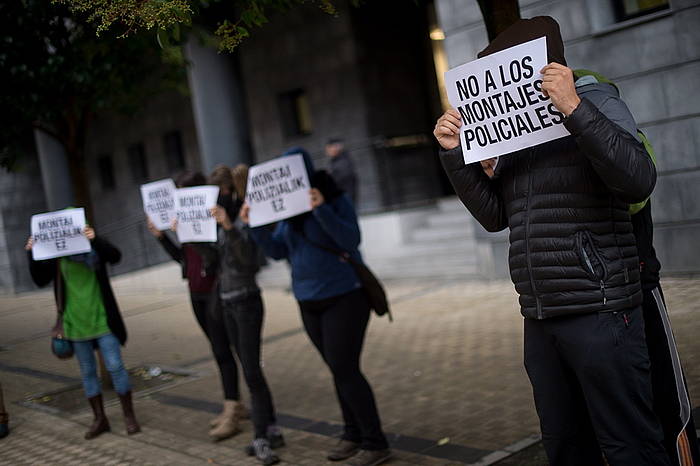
point(84, 315)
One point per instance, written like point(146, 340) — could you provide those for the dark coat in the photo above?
point(572, 248)
point(342, 169)
point(46, 271)
point(208, 253)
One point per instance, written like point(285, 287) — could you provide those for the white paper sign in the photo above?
point(159, 202)
point(58, 234)
point(500, 100)
point(193, 209)
point(277, 190)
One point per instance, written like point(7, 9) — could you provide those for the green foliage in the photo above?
point(57, 74)
point(235, 21)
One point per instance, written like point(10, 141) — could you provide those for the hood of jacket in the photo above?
point(525, 30)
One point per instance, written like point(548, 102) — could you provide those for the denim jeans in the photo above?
point(111, 353)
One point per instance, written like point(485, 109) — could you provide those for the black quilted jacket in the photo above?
point(566, 202)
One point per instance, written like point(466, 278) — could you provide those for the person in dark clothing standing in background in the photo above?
point(334, 307)
point(201, 270)
point(342, 168)
point(574, 264)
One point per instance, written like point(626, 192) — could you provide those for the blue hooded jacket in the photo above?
point(316, 274)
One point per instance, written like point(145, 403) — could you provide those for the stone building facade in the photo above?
point(654, 58)
point(370, 76)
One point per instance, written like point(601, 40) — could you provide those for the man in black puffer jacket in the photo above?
point(574, 263)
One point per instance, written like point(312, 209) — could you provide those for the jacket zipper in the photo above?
point(527, 238)
point(590, 266)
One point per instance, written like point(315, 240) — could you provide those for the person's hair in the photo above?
point(189, 178)
point(334, 141)
point(239, 174)
point(221, 177)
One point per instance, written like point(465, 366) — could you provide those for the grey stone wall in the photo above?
point(367, 78)
point(21, 196)
point(655, 60)
point(119, 212)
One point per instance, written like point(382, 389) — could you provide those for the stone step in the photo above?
point(453, 234)
point(449, 219)
point(451, 204)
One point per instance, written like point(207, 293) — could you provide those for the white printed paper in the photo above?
point(195, 223)
point(159, 202)
point(277, 190)
point(500, 100)
point(59, 234)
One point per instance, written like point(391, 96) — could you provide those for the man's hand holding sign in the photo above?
point(502, 105)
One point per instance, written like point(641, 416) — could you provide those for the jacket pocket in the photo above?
point(591, 260)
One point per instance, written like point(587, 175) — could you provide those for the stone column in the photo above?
point(219, 113)
point(55, 174)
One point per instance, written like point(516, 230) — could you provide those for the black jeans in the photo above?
point(207, 310)
point(591, 382)
point(243, 321)
point(337, 326)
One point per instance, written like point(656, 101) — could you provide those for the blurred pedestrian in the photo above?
point(334, 308)
point(91, 320)
point(4, 418)
point(200, 265)
point(243, 316)
point(342, 168)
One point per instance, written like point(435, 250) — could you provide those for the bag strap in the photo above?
point(60, 302)
point(338, 252)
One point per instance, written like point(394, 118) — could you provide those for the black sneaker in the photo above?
point(343, 450)
point(370, 458)
point(275, 438)
point(263, 452)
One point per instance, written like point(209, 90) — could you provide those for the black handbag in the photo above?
point(371, 284)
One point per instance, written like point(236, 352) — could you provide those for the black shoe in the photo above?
point(343, 450)
point(276, 440)
point(4, 430)
point(370, 458)
point(263, 452)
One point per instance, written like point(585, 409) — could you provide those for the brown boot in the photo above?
point(100, 424)
point(228, 427)
point(132, 426)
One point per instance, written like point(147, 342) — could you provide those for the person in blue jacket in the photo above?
point(334, 307)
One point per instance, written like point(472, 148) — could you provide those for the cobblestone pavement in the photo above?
point(447, 374)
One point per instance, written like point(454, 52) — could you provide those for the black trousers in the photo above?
point(671, 400)
point(243, 320)
point(207, 311)
point(590, 377)
point(337, 326)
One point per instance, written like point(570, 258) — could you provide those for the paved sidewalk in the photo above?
point(447, 374)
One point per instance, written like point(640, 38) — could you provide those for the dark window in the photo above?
point(174, 155)
point(137, 162)
point(106, 169)
point(628, 9)
point(295, 113)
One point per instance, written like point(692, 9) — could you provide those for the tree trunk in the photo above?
point(79, 177)
point(498, 15)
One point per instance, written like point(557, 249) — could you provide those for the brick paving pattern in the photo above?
point(447, 374)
